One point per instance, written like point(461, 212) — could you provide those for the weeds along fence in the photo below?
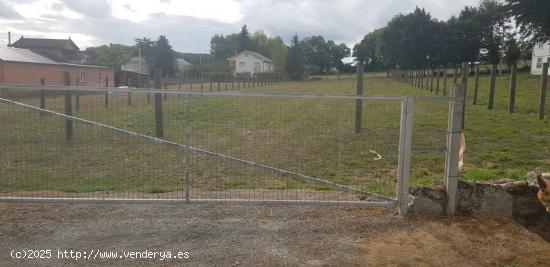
point(438, 81)
point(202, 146)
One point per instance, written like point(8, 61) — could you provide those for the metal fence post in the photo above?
point(159, 127)
point(77, 95)
point(359, 102)
point(68, 108)
point(464, 81)
point(543, 88)
point(405, 153)
point(456, 115)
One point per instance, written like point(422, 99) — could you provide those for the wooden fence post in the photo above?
point(42, 96)
point(456, 115)
point(492, 86)
point(543, 88)
point(476, 85)
point(464, 81)
point(513, 83)
point(178, 80)
point(211, 80)
point(166, 86)
point(359, 102)
point(69, 133)
point(202, 81)
point(437, 81)
point(159, 124)
point(106, 92)
point(445, 74)
point(431, 80)
point(77, 95)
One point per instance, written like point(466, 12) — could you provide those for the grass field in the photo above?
point(311, 137)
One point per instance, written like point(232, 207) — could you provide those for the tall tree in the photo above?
point(112, 55)
point(368, 50)
point(532, 17)
point(494, 25)
point(244, 41)
point(316, 53)
point(164, 57)
point(409, 40)
point(295, 59)
point(337, 52)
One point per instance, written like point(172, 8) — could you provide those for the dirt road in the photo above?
point(229, 235)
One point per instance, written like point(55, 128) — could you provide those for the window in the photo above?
point(242, 65)
point(82, 77)
point(99, 78)
point(539, 63)
point(256, 66)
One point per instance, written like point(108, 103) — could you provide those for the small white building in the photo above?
point(250, 62)
point(137, 65)
point(541, 54)
point(182, 64)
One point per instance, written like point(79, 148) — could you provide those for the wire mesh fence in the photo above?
point(210, 147)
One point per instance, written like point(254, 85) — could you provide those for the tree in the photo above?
point(532, 17)
point(512, 52)
point(494, 25)
point(336, 54)
point(244, 41)
point(316, 53)
point(295, 59)
point(410, 41)
point(112, 55)
point(368, 50)
point(223, 47)
point(163, 56)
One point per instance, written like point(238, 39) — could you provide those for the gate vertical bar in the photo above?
point(456, 115)
point(188, 151)
point(405, 152)
point(68, 108)
point(159, 127)
point(359, 102)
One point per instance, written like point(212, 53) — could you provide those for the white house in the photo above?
point(250, 62)
point(541, 54)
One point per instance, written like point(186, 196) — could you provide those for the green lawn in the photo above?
point(311, 137)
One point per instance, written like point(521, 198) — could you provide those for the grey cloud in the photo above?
point(7, 12)
point(57, 7)
point(90, 8)
point(340, 20)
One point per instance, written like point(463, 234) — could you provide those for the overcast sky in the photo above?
point(189, 24)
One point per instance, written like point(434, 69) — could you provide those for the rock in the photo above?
point(532, 177)
point(427, 201)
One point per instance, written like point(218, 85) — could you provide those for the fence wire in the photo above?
point(213, 147)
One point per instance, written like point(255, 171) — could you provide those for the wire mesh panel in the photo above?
point(210, 147)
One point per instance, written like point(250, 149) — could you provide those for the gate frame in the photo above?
point(405, 147)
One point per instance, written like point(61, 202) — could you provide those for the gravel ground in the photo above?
point(230, 235)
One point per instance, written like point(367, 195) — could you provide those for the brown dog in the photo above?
point(544, 192)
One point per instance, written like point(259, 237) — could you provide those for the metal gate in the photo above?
point(88, 144)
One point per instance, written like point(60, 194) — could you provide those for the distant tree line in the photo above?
point(313, 54)
point(485, 33)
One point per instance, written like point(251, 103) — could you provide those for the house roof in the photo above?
point(262, 57)
point(13, 54)
point(23, 55)
point(30, 43)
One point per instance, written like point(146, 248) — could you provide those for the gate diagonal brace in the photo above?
point(293, 175)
